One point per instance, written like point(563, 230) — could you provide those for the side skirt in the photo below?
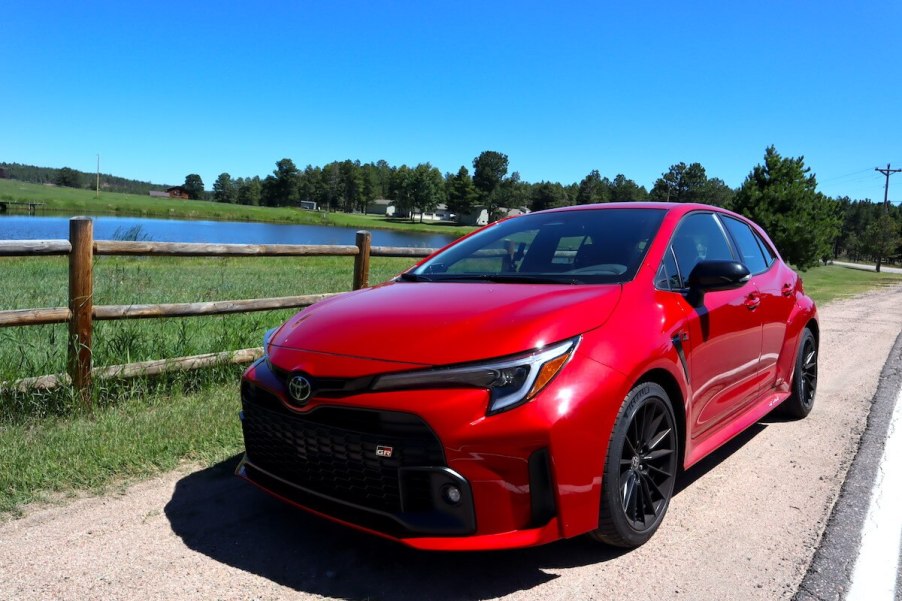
point(698, 450)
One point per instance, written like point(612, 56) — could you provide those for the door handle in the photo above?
point(787, 289)
point(752, 302)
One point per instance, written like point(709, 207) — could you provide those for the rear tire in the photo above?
point(804, 380)
point(639, 470)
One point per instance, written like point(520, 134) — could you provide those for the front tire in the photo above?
point(640, 468)
point(804, 381)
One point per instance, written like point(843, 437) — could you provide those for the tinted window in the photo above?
point(699, 237)
point(749, 250)
point(593, 246)
point(766, 250)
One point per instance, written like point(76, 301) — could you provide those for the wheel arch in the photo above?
point(815, 329)
point(668, 382)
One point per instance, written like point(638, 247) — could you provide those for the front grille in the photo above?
point(326, 387)
point(332, 452)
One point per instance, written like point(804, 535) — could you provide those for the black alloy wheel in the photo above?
point(640, 469)
point(804, 381)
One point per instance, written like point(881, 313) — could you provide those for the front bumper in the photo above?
point(518, 481)
point(383, 470)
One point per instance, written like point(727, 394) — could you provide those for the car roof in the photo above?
point(681, 207)
point(677, 209)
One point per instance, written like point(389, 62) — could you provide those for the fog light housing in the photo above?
point(451, 494)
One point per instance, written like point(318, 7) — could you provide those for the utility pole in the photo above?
point(887, 172)
point(97, 194)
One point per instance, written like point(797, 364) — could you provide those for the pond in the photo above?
point(22, 227)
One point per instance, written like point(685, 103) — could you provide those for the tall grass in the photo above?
point(144, 433)
point(30, 282)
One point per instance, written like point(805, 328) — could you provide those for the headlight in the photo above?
point(511, 381)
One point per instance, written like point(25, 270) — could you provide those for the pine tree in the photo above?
point(781, 196)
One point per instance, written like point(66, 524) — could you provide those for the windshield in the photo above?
point(592, 246)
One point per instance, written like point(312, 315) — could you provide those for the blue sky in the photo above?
point(162, 89)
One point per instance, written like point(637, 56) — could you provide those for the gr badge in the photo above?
point(384, 451)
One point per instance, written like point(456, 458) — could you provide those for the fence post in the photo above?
point(81, 304)
point(362, 260)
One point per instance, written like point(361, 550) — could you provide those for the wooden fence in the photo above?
point(5, 204)
point(81, 311)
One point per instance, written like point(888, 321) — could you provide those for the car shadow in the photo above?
point(231, 521)
point(689, 476)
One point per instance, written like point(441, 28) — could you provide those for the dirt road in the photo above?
point(743, 525)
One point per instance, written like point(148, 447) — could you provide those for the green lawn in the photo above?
point(73, 201)
point(145, 433)
point(825, 284)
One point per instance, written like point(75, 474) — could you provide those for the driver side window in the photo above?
point(699, 237)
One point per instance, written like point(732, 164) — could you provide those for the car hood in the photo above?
point(439, 323)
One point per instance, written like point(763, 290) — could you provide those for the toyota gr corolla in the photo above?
point(544, 377)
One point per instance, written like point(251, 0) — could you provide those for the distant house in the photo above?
point(389, 209)
point(480, 215)
point(159, 194)
point(308, 205)
point(177, 192)
point(379, 206)
point(441, 213)
point(393, 211)
point(515, 212)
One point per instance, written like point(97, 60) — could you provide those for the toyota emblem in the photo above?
point(300, 388)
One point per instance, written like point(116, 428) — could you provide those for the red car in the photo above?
point(544, 377)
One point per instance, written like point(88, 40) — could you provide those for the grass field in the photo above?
point(49, 447)
point(147, 432)
point(31, 282)
point(72, 201)
point(825, 284)
point(139, 426)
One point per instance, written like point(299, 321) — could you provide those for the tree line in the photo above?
point(351, 185)
point(780, 194)
point(73, 178)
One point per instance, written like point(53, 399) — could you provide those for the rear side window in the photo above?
point(749, 245)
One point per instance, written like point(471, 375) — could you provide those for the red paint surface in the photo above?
point(739, 348)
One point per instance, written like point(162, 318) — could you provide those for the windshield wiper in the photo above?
point(413, 277)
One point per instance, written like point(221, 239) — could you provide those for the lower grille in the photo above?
point(330, 454)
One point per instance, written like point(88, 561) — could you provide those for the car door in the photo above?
point(776, 288)
point(722, 334)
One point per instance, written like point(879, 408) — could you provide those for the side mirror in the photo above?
point(711, 276)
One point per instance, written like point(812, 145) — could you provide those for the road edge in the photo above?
point(830, 571)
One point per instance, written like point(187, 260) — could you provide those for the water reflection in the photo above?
point(22, 227)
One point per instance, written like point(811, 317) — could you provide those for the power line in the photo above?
point(887, 172)
point(833, 179)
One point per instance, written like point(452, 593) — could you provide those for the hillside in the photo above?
point(71, 201)
point(48, 175)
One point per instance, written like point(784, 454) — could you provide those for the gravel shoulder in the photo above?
point(744, 524)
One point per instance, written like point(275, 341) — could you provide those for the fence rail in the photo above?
point(81, 311)
point(17, 248)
